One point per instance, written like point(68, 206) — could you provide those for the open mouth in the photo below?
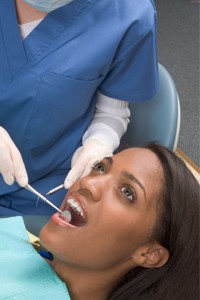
point(73, 213)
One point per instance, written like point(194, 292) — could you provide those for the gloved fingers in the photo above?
point(79, 160)
point(19, 170)
point(76, 155)
point(73, 175)
point(84, 158)
point(82, 166)
point(89, 166)
point(80, 170)
point(6, 165)
point(93, 161)
point(11, 163)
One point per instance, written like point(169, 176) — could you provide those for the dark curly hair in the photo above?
point(177, 230)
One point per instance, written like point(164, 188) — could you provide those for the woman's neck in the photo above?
point(27, 13)
point(86, 284)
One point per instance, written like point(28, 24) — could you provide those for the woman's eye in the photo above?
point(129, 193)
point(99, 167)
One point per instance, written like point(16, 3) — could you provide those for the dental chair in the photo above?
point(156, 120)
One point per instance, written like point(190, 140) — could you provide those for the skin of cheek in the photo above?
point(109, 239)
point(114, 228)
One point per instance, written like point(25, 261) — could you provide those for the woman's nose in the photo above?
point(94, 186)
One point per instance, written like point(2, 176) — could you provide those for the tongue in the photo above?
point(77, 220)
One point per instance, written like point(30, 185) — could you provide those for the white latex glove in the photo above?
point(11, 164)
point(84, 158)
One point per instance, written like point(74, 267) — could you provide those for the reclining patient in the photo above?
point(133, 235)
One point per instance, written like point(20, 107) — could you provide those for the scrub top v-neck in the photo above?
point(19, 52)
point(48, 82)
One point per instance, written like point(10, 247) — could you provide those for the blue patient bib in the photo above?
point(24, 274)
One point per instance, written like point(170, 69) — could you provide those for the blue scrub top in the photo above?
point(48, 83)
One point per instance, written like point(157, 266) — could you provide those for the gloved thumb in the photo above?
point(12, 166)
point(78, 164)
point(84, 158)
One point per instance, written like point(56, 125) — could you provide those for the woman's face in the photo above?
point(118, 202)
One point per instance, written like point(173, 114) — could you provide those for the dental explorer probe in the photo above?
point(56, 189)
point(65, 213)
point(31, 189)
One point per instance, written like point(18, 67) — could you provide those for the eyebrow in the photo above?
point(109, 159)
point(129, 176)
point(136, 180)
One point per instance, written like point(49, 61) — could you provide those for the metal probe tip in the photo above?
point(56, 189)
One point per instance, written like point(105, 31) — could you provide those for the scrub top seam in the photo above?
point(4, 45)
point(69, 22)
point(19, 47)
point(148, 30)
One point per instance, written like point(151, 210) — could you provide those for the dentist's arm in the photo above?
point(103, 136)
point(11, 163)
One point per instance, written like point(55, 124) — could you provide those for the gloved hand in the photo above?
point(11, 164)
point(84, 158)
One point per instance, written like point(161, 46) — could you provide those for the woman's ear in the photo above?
point(151, 256)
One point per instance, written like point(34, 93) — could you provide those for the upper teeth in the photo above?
point(75, 206)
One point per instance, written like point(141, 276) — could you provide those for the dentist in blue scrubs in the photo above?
point(68, 69)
